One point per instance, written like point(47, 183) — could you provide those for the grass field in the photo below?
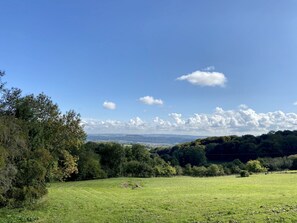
point(259, 198)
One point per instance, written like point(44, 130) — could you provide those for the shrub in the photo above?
point(200, 171)
point(244, 173)
point(227, 171)
point(89, 166)
point(138, 169)
point(255, 166)
point(179, 170)
point(164, 170)
point(188, 170)
point(293, 159)
point(277, 163)
point(215, 170)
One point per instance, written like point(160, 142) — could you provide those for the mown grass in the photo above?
point(259, 198)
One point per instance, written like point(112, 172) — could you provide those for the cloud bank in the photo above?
point(149, 100)
point(109, 105)
point(242, 120)
point(205, 78)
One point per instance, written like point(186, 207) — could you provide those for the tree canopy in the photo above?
point(37, 144)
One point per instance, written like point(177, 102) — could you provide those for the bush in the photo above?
point(227, 170)
point(164, 170)
point(244, 173)
point(200, 171)
point(188, 170)
point(138, 169)
point(215, 170)
point(255, 166)
point(293, 159)
point(179, 170)
point(89, 166)
point(277, 163)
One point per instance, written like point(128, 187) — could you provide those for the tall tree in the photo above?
point(37, 144)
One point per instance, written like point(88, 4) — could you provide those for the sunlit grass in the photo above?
point(259, 198)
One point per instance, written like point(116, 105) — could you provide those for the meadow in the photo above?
point(258, 198)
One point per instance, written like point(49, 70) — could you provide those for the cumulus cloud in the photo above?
point(109, 105)
point(177, 118)
point(137, 122)
point(205, 78)
point(239, 121)
point(149, 100)
point(94, 126)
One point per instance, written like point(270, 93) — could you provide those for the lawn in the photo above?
point(258, 198)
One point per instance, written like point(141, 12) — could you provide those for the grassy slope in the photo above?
point(259, 198)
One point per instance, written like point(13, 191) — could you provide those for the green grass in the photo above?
point(258, 198)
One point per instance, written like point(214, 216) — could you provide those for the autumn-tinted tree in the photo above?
point(37, 144)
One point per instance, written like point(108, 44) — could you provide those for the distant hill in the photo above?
point(147, 139)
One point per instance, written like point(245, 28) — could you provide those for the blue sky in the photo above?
point(85, 53)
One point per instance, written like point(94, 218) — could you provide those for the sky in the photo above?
point(182, 67)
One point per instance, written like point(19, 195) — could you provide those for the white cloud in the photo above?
point(109, 105)
point(134, 125)
point(205, 78)
point(210, 68)
point(149, 100)
point(137, 122)
point(295, 103)
point(239, 121)
point(177, 118)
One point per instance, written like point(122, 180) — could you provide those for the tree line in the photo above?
point(102, 160)
point(212, 156)
point(273, 151)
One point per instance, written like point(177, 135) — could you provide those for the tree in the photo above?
point(37, 144)
point(215, 170)
point(140, 153)
point(138, 169)
point(112, 158)
point(89, 166)
point(244, 173)
point(255, 166)
point(200, 171)
point(293, 159)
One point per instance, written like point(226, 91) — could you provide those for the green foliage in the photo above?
point(138, 152)
point(89, 166)
point(244, 173)
point(228, 148)
point(277, 163)
point(179, 170)
point(188, 170)
point(112, 158)
point(138, 169)
point(131, 161)
point(3, 157)
point(37, 143)
point(215, 170)
point(202, 171)
point(7, 180)
point(293, 159)
point(164, 170)
point(233, 167)
point(199, 171)
point(255, 166)
point(274, 150)
point(184, 154)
